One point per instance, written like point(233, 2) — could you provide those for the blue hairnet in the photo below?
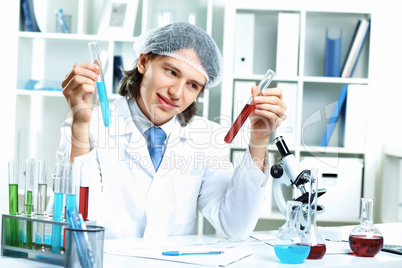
point(169, 39)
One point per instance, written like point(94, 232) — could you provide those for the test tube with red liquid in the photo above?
point(249, 107)
point(84, 193)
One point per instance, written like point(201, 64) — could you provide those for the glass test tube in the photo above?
point(248, 108)
point(41, 174)
point(84, 191)
point(58, 184)
point(28, 200)
point(100, 84)
point(12, 238)
point(70, 191)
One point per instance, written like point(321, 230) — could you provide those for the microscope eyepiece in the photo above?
point(282, 147)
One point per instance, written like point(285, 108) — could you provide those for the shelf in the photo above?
point(58, 94)
point(329, 150)
point(335, 80)
point(47, 93)
point(78, 37)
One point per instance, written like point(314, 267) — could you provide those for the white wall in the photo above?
point(385, 108)
point(8, 66)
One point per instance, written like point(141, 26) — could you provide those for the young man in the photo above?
point(142, 189)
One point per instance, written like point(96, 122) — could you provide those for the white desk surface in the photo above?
point(263, 255)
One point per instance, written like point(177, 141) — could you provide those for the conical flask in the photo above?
point(317, 243)
point(291, 244)
point(366, 240)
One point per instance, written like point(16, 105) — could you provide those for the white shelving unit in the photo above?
point(314, 90)
point(48, 56)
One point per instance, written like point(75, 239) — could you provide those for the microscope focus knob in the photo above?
point(276, 171)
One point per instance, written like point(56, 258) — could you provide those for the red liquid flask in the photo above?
point(317, 251)
point(364, 246)
point(248, 108)
point(317, 242)
point(366, 240)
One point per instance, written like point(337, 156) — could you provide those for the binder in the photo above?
point(29, 16)
point(332, 66)
point(287, 44)
point(356, 117)
point(356, 47)
point(338, 111)
point(244, 43)
point(288, 127)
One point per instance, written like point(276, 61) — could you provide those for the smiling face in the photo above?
point(168, 86)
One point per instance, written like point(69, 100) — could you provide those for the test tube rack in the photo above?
point(21, 250)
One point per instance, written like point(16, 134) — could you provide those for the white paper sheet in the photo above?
point(229, 255)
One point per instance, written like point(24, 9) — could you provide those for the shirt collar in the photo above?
point(143, 123)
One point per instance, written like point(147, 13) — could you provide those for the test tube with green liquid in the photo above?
point(58, 189)
point(41, 175)
point(28, 200)
point(12, 237)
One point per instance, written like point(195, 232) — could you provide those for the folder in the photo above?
point(337, 112)
point(287, 44)
point(332, 66)
point(356, 117)
point(29, 16)
point(288, 127)
point(244, 43)
point(356, 47)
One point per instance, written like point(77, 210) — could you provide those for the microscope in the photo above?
point(288, 173)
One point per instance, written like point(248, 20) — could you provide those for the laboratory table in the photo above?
point(262, 253)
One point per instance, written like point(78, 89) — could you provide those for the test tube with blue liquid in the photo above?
point(70, 190)
point(58, 189)
point(41, 174)
point(12, 238)
point(100, 84)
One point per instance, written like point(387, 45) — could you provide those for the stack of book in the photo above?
point(356, 47)
point(332, 66)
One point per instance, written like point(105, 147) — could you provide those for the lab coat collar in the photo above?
point(123, 119)
point(122, 122)
point(123, 125)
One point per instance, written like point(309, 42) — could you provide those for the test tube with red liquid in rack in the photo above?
point(84, 192)
point(249, 107)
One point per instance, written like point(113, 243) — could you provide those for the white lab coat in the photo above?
point(130, 199)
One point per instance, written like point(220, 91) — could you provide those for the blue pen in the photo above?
point(182, 253)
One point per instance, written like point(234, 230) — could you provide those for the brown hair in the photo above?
point(130, 86)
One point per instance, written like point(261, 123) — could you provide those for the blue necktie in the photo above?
point(155, 139)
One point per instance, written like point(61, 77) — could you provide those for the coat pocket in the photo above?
point(187, 189)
